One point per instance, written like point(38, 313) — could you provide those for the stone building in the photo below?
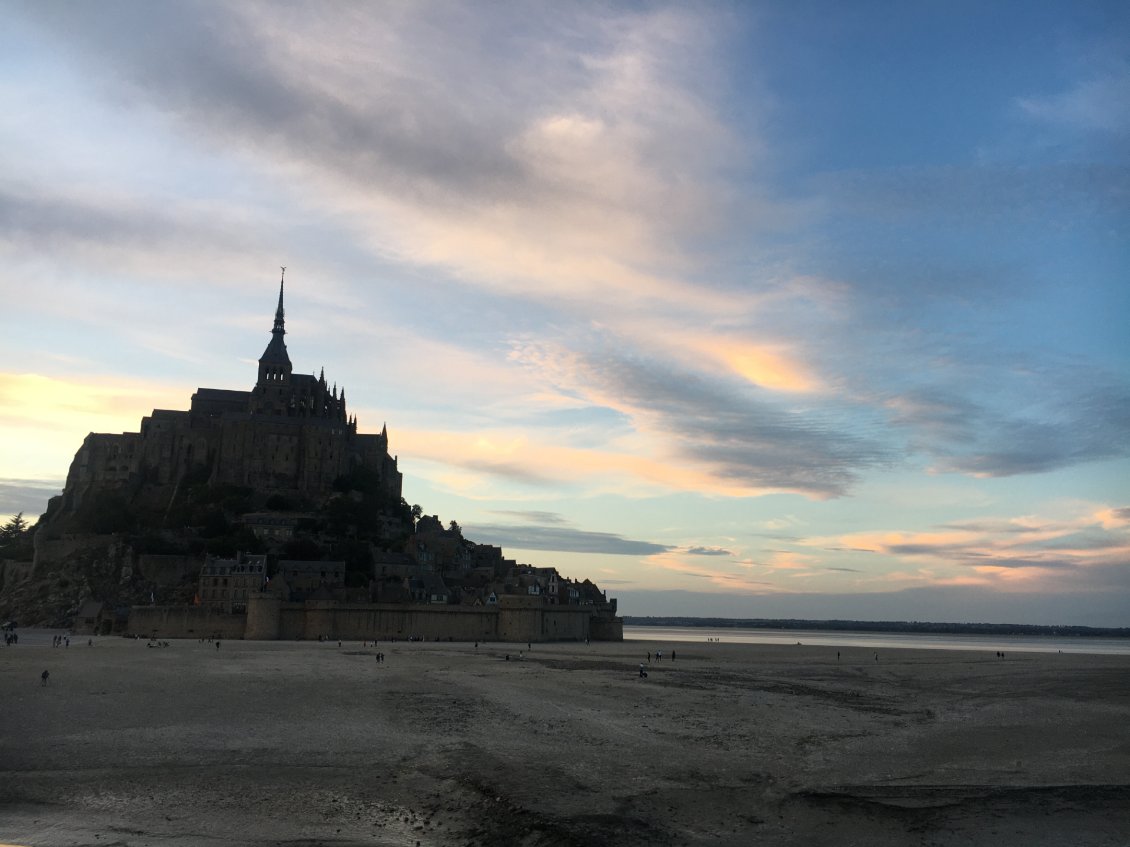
point(225, 584)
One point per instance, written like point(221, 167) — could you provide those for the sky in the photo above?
point(760, 309)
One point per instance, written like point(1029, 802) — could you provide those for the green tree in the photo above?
point(13, 529)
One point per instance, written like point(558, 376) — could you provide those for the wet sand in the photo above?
point(306, 743)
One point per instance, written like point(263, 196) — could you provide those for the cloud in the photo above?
point(480, 464)
point(741, 438)
point(1027, 550)
point(562, 539)
point(1101, 103)
point(424, 125)
point(530, 515)
point(707, 551)
point(672, 565)
point(1070, 424)
point(421, 142)
point(1114, 516)
point(29, 496)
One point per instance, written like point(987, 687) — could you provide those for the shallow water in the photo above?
point(877, 640)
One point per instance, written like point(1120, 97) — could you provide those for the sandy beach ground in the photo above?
point(263, 743)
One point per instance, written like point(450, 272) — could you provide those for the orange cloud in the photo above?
point(1027, 550)
point(700, 576)
point(767, 366)
point(472, 459)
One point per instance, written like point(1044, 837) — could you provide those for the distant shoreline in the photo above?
point(908, 627)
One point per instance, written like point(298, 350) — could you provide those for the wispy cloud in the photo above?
point(417, 115)
point(707, 551)
point(1076, 422)
point(29, 496)
point(745, 440)
point(1100, 102)
point(1028, 549)
point(530, 515)
point(560, 538)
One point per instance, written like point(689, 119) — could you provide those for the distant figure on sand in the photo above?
point(217, 644)
point(643, 673)
point(43, 676)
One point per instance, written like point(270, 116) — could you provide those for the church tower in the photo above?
point(273, 388)
point(274, 364)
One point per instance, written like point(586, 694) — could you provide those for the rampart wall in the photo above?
point(267, 619)
point(185, 622)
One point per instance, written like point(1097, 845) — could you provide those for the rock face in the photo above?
point(91, 566)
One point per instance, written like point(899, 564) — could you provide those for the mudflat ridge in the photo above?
point(448, 744)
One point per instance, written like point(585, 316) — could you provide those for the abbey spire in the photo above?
point(280, 315)
point(274, 364)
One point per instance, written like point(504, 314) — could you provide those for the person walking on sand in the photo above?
point(43, 677)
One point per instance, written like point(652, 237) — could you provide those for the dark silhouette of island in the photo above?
point(911, 627)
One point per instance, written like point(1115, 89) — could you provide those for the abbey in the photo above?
point(290, 435)
point(266, 514)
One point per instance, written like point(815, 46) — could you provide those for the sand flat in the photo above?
point(445, 744)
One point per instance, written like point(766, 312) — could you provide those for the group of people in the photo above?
point(658, 658)
point(61, 641)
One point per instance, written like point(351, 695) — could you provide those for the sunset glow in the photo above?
point(758, 309)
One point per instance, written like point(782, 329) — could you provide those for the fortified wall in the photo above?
point(268, 618)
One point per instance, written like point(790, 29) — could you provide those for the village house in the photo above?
point(225, 584)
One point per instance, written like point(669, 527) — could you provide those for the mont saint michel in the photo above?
point(268, 514)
